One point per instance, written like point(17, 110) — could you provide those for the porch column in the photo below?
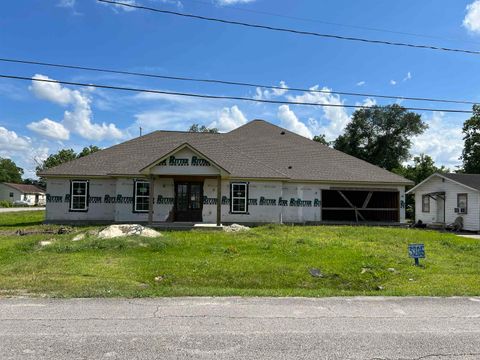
point(151, 200)
point(219, 200)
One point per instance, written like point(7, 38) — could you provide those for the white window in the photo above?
point(425, 203)
point(239, 198)
point(462, 202)
point(79, 195)
point(142, 196)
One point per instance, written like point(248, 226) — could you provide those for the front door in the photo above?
point(440, 209)
point(188, 201)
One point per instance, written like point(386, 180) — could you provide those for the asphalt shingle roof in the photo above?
point(471, 180)
point(25, 188)
point(256, 150)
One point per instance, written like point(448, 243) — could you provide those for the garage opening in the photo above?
point(350, 205)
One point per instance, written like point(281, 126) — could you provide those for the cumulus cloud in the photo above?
point(233, 2)
point(361, 83)
point(50, 129)
point(77, 120)
point(229, 119)
point(393, 82)
point(268, 94)
point(11, 142)
point(408, 76)
point(290, 121)
point(336, 116)
point(442, 141)
point(472, 19)
point(368, 102)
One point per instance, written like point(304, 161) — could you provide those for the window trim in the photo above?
point(87, 196)
point(135, 210)
point(246, 184)
point(423, 203)
point(466, 202)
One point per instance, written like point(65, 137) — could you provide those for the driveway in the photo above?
point(241, 328)
point(4, 210)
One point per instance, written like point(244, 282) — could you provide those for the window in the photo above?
point(462, 202)
point(425, 203)
point(11, 194)
point(142, 196)
point(79, 195)
point(239, 198)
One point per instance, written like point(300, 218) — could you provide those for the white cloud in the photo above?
point(442, 141)
point(368, 102)
point(11, 142)
point(336, 116)
point(290, 121)
point(472, 19)
point(66, 3)
point(408, 76)
point(393, 82)
point(50, 129)
point(267, 94)
point(51, 91)
point(229, 119)
point(233, 2)
point(79, 119)
point(361, 83)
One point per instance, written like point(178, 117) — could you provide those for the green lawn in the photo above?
point(266, 261)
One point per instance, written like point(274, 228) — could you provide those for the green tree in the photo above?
point(88, 150)
point(381, 135)
point(321, 139)
point(423, 166)
point(471, 138)
point(202, 129)
point(9, 171)
point(59, 158)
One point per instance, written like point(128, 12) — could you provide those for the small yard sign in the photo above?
point(416, 251)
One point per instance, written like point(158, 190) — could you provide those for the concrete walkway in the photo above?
point(5, 210)
point(241, 328)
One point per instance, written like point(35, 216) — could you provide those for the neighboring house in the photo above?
point(258, 173)
point(32, 194)
point(441, 198)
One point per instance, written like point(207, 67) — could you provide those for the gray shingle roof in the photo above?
point(256, 150)
point(25, 188)
point(471, 180)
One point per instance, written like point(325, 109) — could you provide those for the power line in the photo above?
point(338, 24)
point(235, 83)
point(293, 31)
point(217, 97)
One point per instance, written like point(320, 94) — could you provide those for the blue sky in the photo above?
point(37, 119)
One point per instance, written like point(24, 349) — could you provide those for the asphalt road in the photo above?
point(241, 328)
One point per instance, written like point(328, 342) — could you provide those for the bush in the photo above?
point(5, 204)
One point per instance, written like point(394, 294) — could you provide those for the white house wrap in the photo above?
point(258, 173)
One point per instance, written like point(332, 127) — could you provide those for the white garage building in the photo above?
point(258, 173)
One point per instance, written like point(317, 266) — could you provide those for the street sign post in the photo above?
point(416, 251)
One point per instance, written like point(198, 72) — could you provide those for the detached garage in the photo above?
point(258, 173)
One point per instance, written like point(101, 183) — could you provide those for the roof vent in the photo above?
point(282, 133)
point(290, 167)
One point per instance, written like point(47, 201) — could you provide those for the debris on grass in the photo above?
point(159, 278)
point(235, 228)
point(114, 231)
point(45, 243)
point(79, 237)
point(315, 273)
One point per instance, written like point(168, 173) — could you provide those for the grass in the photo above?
point(271, 260)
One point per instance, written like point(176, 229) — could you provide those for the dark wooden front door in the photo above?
point(188, 201)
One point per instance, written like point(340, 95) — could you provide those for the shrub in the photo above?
point(5, 204)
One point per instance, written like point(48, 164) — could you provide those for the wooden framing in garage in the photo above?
point(360, 205)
